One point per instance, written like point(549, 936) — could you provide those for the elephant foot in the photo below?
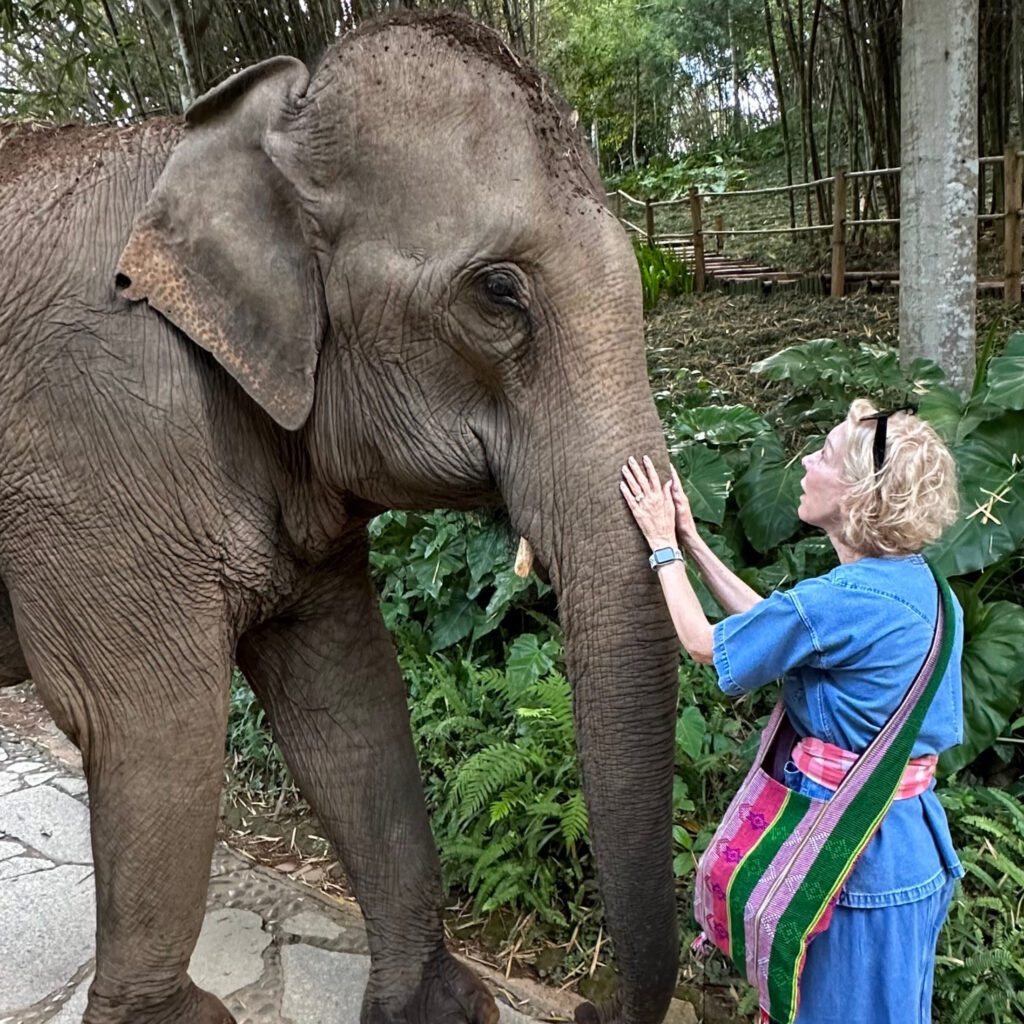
point(191, 1005)
point(448, 993)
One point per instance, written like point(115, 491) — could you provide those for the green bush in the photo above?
point(979, 976)
point(661, 273)
point(497, 751)
point(255, 759)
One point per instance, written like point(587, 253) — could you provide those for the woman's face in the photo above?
point(822, 488)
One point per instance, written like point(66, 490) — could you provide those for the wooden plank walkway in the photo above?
point(739, 276)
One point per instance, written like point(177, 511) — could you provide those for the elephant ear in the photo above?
point(220, 250)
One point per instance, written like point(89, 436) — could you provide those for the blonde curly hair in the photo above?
point(906, 505)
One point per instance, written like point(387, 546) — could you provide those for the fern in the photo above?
point(980, 968)
point(574, 819)
point(486, 773)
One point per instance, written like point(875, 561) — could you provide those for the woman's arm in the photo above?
point(726, 587)
point(695, 633)
point(653, 509)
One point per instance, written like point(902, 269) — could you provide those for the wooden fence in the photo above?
point(1011, 215)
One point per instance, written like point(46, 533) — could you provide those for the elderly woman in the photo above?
point(846, 646)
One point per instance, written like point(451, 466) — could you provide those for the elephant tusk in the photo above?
point(524, 558)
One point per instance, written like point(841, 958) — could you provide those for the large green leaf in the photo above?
point(768, 493)
point(690, 729)
point(1005, 377)
point(954, 419)
point(993, 670)
point(802, 364)
point(991, 525)
point(942, 407)
point(706, 478)
point(488, 549)
point(722, 424)
point(454, 623)
point(528, 660)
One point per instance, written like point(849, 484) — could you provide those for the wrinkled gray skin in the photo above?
point(393, 285)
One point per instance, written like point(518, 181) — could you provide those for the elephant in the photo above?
point(390, 282)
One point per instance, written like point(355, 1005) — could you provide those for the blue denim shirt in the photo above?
point(847, 646)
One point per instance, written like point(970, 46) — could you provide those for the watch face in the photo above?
point(664, 555)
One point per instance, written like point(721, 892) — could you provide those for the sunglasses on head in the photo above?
point(881, 432)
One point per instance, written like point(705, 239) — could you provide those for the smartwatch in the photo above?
point(665, 556)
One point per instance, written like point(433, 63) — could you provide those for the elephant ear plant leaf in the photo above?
point(989, 449)
point(993, 669)
point(769, 492)
point(706, 479)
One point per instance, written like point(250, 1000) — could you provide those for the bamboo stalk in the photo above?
point(839, 234)
point(1012, 171)
point(698, 241)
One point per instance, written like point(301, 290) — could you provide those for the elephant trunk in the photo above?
point(622, 658)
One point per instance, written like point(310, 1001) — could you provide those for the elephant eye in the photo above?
point(503, 288)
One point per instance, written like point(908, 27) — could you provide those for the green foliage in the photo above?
point(714, 170)
point(448, 580)
point(980, 966)
point(497, 751)
point(824, 376)
point(256, 760)
point(987, 435)
point(661, 273)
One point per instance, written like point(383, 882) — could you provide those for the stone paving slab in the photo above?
point(275, 951)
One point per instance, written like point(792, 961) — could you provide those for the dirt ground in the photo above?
point(719, 336)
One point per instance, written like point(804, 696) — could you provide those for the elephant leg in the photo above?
point(329, 681)
point(12, 662)
point(142, 689)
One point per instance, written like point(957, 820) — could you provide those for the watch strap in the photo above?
point(664, 556)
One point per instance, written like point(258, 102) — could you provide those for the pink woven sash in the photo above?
point(828, 764)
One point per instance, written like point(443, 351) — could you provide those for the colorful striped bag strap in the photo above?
point(770, 877)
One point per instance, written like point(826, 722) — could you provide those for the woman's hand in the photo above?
point(651, 502)
point(686, 526)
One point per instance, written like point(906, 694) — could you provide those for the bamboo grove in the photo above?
point(649, 80)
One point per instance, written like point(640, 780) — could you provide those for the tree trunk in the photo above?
point(183, 38)
point(938, 238)
point(1016, 71)
point(636, 116)
point(780, 92)
point(171, 108)
point(821, 192)
point(140, 107)
point(737, 112)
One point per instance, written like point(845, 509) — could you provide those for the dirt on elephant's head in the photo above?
point(556, 121)
point(33, 147)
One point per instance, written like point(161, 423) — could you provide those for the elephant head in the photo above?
point(406, 260)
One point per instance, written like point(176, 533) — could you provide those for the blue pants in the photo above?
point(874, 966)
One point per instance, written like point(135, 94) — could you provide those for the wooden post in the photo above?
point(839, 234)
point(649, 211)
point(719, 228)
point(1012, 174)
point(698, 240)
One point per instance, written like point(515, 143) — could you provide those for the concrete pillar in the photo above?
point(939, 185)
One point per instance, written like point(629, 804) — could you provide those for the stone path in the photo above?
point(274, 951)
